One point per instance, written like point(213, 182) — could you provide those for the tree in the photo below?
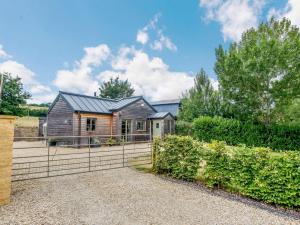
point(116, 88)
point(13, 96)
point(290, 113)
point(201, 99)
point(260, 74)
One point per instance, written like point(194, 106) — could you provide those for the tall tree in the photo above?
point(201, 99)
point(116, 88)
point(261, 72)
point(13, 96)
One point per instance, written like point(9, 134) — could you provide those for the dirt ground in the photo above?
point(125, 196)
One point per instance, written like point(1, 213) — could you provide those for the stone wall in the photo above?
point(6, 142)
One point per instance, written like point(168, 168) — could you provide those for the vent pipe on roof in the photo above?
point(95, 94)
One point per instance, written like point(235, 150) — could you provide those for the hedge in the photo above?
point(259, 173)
point(178, 157)
point(234, 132)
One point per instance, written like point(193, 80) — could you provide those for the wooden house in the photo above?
point(80, 115)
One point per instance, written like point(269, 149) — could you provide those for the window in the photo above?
point(157, 125)
point(91, 124)
point(141, 125)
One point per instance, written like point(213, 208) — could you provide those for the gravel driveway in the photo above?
point(125, 196)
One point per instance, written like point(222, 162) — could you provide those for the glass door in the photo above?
point(126, 130)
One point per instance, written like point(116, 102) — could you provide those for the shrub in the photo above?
point(256, 172)
point(259, 173)
point(234, 132)
point(177, 156)
point(184, 128)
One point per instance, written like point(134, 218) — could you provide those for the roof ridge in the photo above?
point(138, 96)
point(88, 96)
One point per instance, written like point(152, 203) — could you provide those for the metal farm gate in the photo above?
point(56, 156)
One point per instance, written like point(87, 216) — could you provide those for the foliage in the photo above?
point(183, 127)
point(290, 113)
point(202, 99)
point(13, 96)
point(111, 141)
point(37, 111)
point(255, 172)
point(116, 88)
point(260, 74)
point(234, 132)
point(177, 156)
point(26, 121)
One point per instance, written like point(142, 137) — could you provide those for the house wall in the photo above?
point(60, 119)
point(135, 112)
point(105, 127)
point(104, 124)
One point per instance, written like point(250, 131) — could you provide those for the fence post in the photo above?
point(89, 154)
point(6, 154)
point(123, 151)
point(48, 165)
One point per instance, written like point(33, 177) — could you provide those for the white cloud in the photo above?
point(3, 54)
point(28, 78)
point(163, 42)
point(290, 11)
point(235, 16)
point(81, 79)
point(160, 42)
point(142, 37)
point(150, 77)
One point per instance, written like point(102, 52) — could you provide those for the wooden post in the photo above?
point(6, 154)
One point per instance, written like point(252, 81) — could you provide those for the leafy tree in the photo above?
point(290, 113)
point(260, 74)
point(202, 99)
point(116, 88)
point(13, 96)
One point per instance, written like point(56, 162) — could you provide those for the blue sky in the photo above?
point(157, 45)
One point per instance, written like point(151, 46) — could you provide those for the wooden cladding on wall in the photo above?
point(104, 124)
point(60, 119)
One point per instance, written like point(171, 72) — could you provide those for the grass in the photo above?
point(146, 168)
point(27, 121)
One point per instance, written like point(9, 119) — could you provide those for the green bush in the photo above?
point(184, 128)
point(177, 156)
point(234, 132)
point(256, 172)
point(259, 173)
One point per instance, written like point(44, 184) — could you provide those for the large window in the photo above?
point(91, 124)
point(141, 125)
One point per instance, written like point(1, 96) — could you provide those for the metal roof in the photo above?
point(84, 103)
point(91, 104)
point(172, 108)
point(160, 115)
point(166, 102)
point(124, 102)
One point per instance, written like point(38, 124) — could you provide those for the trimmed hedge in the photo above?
point(234, 132)
point(177, 156)
point(259, 173)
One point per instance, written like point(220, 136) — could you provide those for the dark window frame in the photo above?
point(143, 127)
point(91, 124)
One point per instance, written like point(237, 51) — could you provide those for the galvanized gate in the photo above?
point(56, 156)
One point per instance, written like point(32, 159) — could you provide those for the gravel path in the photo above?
point(125, 196)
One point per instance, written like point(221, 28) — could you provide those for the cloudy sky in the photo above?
point(74, 45)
